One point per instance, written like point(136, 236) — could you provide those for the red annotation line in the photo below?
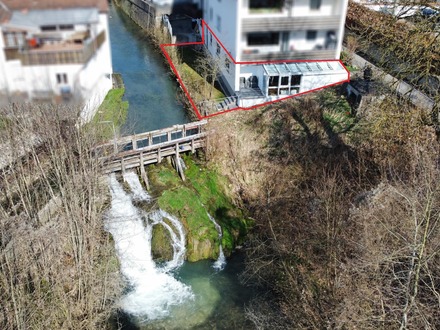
point(196, 110)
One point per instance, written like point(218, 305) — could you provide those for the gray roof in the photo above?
point(37, 18)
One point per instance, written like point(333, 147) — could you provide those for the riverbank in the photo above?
point(330, 194)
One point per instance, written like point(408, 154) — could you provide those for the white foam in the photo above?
point(139, 193)
point(220, 263)
point(153, 290)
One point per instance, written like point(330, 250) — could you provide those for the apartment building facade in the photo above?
point(275, 33)
point(55, 50)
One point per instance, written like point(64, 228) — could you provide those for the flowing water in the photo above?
point(149, 87)
point(221, 260)
point(153, 290)
point(177, 294)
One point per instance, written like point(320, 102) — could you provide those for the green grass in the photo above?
point(352, 68)
point(337, 111)
point(112, 113)
point(194, 82)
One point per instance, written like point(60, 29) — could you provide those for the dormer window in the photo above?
point(62, 27)
point(66, 27)
point(49, 28)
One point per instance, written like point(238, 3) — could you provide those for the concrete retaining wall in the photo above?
point(141, 12)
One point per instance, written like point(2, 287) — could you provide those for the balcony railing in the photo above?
point(324, 54)
point(253, 24)
point(57, 54)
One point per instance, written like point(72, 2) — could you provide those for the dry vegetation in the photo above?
point(57, 265)
point(347, 220)
point(408, 49)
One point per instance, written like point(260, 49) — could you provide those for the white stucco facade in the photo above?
point(258, 31)
point(56, 55)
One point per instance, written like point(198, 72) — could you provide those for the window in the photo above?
point(284, 81)
point(64, 27)
point(295, 80)
point(14, 39)
point(227, 64)
point(263, 38)
point(10, 40)
point(49, 28)
point(218, 49)
point(61, 78)
point(219, 23)
point(311, 35)
point(265, 4)
point(273, 81)
point(315, 4)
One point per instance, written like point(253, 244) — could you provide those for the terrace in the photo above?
point(69, 51)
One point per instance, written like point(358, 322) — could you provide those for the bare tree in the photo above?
point(58, 266)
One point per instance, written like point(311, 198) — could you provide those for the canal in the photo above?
point(220, 299)
point(149, 87)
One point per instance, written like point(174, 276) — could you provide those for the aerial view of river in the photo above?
point(193, 295)
point(149, 86)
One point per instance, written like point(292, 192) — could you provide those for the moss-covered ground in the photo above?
point(203, 192)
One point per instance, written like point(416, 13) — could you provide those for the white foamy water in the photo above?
point(177, 239)
point(152, 290)
point(139, 193)
point(220, 263)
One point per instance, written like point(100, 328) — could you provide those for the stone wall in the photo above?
point(141, 12)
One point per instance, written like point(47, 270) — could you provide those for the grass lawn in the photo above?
point(195, 84)
point(112, 113)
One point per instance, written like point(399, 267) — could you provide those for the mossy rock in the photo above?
point(200, 231)
point(161, 247)
point(204, 192)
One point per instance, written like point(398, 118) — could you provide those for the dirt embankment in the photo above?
point(342, 204)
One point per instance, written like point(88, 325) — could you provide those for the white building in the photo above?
point(55, 50)
point(275, 33)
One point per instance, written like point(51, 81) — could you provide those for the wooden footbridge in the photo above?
point(136, 151)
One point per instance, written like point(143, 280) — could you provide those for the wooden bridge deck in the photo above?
point(137, 150)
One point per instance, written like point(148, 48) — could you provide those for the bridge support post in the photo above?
point(134, 144)
point(144, 175)
point(178, 163)
point(122, 167)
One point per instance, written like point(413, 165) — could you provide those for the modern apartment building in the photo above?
point(274, 32)
point(55, 50)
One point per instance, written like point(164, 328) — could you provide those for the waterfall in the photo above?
point(139, 193)
point(177, 241)
point(153, 291)
point(220, 263)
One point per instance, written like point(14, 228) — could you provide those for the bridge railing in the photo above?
point(149, 140)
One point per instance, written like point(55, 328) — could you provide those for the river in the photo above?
point(219, 298)
point(149, 86)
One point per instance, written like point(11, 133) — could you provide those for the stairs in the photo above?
point(227, 103)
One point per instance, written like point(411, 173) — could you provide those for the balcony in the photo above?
point(258, 24)
point(58, 53)
point(324, 54)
